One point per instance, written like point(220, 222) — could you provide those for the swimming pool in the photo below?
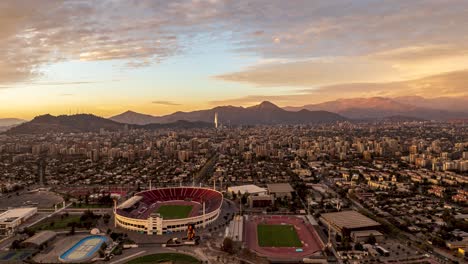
point(84, 250)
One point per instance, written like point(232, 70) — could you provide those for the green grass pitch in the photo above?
point(174, 211)
point(277, 236)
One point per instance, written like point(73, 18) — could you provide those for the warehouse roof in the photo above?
point(40, 238)
point(280, 188)
point(16, 213)
point(349, 220)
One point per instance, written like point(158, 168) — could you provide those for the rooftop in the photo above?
point(250, 188)
point(41, 238)
point(349, 220)
point(280, 188)
point(16, 213)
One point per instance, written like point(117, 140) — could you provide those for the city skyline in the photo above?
point(159, 57)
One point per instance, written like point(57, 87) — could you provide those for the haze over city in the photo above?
point(159, 57)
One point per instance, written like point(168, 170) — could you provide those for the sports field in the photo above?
point(174, 211)
point(277, 236)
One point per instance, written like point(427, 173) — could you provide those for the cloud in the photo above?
point(65, 83)
point(165, 103)
point(145, 32)
point(313, 72)
point(452, 84)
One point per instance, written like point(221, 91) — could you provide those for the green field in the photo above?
point(165, 257)
point(57, 223)
point(277, 236)
point(174, 211)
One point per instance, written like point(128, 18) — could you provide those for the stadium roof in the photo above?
point(280, 188)
point(130, 202)
point(251, 189)
point(349, 220)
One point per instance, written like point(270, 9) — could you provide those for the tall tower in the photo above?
point(216, 120)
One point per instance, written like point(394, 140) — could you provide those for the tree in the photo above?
point(72, 230)
point(228, 245)
point(106, 218)
point(371, 239)
point(16, 244)
point(244, 199)
point(358, 247)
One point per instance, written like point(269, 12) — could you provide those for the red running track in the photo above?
point(311, 242)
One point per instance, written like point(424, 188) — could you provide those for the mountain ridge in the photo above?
point(383, 107)
point(263, 113)
point(88, 123)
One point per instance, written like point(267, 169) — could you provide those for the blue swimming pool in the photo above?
point(84, 250)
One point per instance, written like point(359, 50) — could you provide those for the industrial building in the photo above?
point(12, 219)
point(39, 240)
point(260, 201)
point(347, 221)
point(363, 236)
point(280, 190)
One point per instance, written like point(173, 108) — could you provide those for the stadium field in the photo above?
point(174, 211)
point(277, 236)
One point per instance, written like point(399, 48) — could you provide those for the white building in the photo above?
point(12, 219)
point(250, 189)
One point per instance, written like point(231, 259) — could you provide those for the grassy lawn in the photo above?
point(165, 257)
point(174, 211)
point(57, 223)
point(277, 236)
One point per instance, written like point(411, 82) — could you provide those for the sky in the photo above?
point(158, 57)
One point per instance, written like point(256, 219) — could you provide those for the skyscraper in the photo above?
point(216, 120)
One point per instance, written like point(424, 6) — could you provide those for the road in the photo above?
point(206, 171)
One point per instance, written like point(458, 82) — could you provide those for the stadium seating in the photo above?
point(211, 198)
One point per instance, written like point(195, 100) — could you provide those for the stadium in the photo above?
point(282, 238)
point(166, 210)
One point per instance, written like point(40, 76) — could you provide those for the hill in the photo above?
point(89, 123)
point(264, 113)
point(65, 124)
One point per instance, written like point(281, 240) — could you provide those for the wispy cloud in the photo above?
point(65, 83)
point(452, 84)
point(342, 41)
point(165, 103)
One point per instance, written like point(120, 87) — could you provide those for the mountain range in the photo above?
point(264, 113)
point(88, 123)
point(442, 108)
point(399, 109)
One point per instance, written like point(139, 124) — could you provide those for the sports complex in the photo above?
point(282, 237)
point(166, 210)
point(84, 250)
